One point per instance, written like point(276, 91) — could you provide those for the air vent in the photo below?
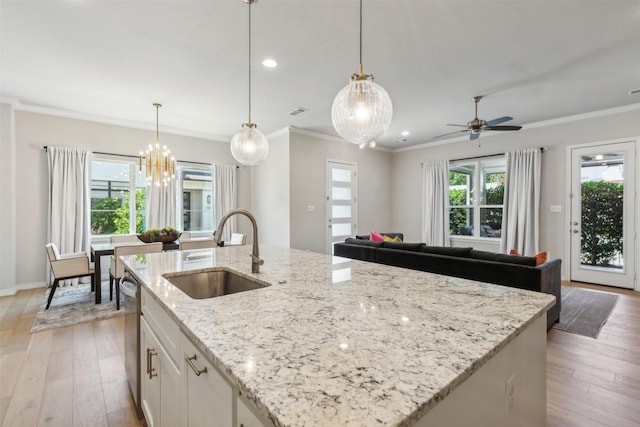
point(298, 110)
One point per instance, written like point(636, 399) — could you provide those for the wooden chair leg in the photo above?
point(53, 290)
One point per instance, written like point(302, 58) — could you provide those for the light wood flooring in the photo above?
point(75, 376)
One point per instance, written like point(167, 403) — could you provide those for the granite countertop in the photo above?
point(335, 341)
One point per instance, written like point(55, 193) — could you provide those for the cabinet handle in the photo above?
point(193, 366)
point(150, 369)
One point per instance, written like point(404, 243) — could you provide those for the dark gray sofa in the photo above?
point(515, 271)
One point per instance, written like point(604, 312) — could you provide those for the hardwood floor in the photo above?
point(75, 376)
point(596, 382)
point(71, 376)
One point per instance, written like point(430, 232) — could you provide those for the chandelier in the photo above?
point(249, 146)
point(160, 167)
point(362, 110)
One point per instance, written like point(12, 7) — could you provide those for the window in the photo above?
point(197, 199)
point(118, 193)
point(476, 194)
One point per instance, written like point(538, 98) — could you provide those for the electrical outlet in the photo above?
point(509, 393)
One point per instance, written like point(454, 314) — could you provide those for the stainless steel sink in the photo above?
point(212, 283)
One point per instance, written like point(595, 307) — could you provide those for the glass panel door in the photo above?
point(341, 202)
point(602, 214)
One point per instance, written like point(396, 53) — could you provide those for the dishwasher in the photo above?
point(131, 289)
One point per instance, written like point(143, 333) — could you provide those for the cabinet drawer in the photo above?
point(164, 327)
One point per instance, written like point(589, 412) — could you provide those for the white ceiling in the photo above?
point(533, 60)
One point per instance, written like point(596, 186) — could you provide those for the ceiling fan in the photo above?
point(477, 125)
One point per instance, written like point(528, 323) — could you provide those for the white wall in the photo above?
point(7, 199)
point(270, 198)
point(308, 156)
point(33, 131)
point(406, 175)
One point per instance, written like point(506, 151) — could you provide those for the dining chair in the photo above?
point(116, 270)
point(125, 238)
point(237, 239)
point(185, 235)
point(197, 244)
point(67, 266)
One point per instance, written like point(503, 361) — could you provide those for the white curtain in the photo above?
point(521, 215)
point(161, 204)
point(225, 181)
point(69, 200)
point(435, 203)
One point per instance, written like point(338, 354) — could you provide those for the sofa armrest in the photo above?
point(550, 282)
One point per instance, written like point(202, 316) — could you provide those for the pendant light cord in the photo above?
point(361, 33)
point(250, 62)
point(157, 127)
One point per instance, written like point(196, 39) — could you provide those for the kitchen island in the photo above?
point(333, 341)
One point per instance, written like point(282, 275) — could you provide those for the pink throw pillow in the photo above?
point(376, 237)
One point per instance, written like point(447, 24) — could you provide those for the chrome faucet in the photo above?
point(256, 262)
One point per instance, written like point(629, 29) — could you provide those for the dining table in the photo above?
point(98, 250)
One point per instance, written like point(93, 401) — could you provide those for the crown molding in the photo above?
point(543, 123)
point(13, 102)
point(332, 138)
point(115, 122)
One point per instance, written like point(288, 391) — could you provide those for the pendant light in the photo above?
point(362, 110)
point(161, 168)
point(249, 146)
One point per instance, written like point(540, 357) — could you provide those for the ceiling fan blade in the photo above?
point(462, 126)
point(503, 128)
point(499, 120)
point(451, 133)
point(474, 136)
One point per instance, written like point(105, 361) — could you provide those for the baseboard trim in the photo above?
point(22, 287)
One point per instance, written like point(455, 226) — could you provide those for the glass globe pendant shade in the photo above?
point(362, 111)
point(249, 146)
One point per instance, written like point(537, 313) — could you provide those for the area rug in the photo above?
point(584, 311)
point(72, 305)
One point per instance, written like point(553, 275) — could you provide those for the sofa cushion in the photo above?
point(441, 250)
point(392, 235)
point(362, 242)
point(414, 247)
point(511, 259)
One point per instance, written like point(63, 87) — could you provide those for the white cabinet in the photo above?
point(160, 380)
point(179, 386)
point(208, 397)
point(246, 418)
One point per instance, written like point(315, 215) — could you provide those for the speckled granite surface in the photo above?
point(335, 341)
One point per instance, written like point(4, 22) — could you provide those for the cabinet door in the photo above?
point(246, 418)
point(209, 398)
point(160, 381)
point(149, 375)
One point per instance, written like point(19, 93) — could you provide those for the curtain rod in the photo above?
point(542, 150)
point(136, 157)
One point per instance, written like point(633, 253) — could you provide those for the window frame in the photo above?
point(478, 189)
point(134, 166)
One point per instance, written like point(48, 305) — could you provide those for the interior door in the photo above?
point(341, 202)
point(603, 217)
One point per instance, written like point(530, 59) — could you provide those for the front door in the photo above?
point(341, 202)
point(603, 220)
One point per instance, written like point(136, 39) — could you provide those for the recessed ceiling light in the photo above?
point(270, 63)
point(405, 133)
